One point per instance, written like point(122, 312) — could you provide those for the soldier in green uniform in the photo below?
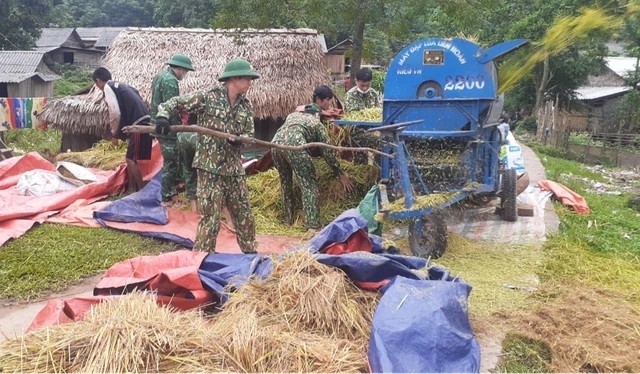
point(300, 128)
point(163, 88)
point(222, 181)
point(360, 97)
point(186, 143)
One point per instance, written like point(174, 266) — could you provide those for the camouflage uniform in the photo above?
point(221, 178)
point(163, 88)
point(354, 101)
point(186, 142)
point(298, 129)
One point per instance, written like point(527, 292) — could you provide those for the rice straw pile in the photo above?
point(266, 203)
point(306, 317)
point(103, 155)
point(127, 334)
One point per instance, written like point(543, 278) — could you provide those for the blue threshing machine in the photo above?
point(440, 118)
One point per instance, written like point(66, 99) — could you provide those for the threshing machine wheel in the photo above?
point(508, 195)
point(428, 235)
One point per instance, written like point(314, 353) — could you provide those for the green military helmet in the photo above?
point(182, 61)
point(238, 68)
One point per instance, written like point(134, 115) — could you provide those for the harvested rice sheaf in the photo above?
point(305, 317)
point(365, 115)
point(103, 155)
point(128, 334)
point(266, 202)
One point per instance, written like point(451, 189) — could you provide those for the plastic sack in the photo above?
point(74, 173)
point(41, 183)
point(511, 154)
point(368, 208)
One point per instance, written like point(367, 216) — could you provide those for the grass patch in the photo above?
point(73, 79)
point(612, 227)
point(585, 312)
point(522, 354)
point(502, 275)
point(32, 140)
point(52, 257)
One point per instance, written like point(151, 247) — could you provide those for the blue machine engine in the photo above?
point(447, 89)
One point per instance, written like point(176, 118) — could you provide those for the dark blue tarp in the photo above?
point(142, 206)
point(420, 325)
point(341, 229)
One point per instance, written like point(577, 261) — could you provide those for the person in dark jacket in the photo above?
point(133, 111)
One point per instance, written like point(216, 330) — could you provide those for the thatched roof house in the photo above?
point(290, 61)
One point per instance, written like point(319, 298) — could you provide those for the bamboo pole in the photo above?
point(144, 129)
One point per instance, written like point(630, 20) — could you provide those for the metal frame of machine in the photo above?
point(441, 97)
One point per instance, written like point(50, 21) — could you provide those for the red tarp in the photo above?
point(19, 213)
point(172, 276)
point(565, 196)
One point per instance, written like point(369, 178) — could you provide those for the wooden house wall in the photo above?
point(89, 59)
point(335, 63)
point(603, 115)
point(34, 87)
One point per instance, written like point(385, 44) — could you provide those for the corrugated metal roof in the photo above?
point(593, 93)
point(615, 47)
point(90, 33)
point(16, 66)
point(17, 78)
point(622, 66)
point(341, 47)
point(108, 36)
point(53, 37)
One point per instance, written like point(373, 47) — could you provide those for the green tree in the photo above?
point(378, 28)
point(100, 13)
point(187, 13)
point(21, 21)
point(563, 68)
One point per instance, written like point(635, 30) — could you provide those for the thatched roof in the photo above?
point(290, 61)
point(80, 115)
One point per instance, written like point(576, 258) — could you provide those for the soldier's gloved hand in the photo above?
point(235, 143)
point(162, 126)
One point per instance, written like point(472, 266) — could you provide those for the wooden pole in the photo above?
point(144, 129)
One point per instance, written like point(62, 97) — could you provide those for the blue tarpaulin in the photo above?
point(422, 326)
point(421, 323)
point(142, 207)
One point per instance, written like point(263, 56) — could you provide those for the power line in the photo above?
point(7, 39)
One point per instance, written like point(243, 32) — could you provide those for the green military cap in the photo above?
point(238, 68)
point(182, 61)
